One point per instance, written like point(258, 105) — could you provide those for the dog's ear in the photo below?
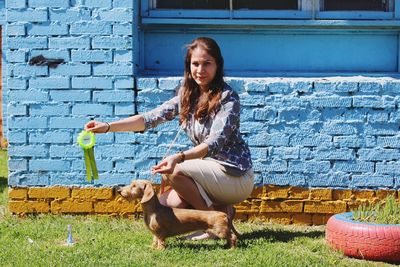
point(148, 192)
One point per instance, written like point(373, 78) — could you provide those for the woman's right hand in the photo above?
point(96, 126)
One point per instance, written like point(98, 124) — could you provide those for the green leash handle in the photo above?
point(87, 140)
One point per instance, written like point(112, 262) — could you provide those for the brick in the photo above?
point(123, 56)
point(320, 219)
point(302, 219)
point(93, 28)
point(49, 165)
point(298, 193)
point(48, 29)
point(281, 218)
point(258, 192)
point(28, 151)
point(49, 83)
point(363, 194)
point(321, 194)
point(281, 206)
point(384, 193)
point(115, 15)
point(256, 86)
point(49, 192)
point(279, 87)
point(331, 207)
point(17, 110)
point(31, 15)
point(49, 3)
point(15, 165)
point(15, 3)
point(69, 43)
point(50, 137)
point(117, 206)
point(92, 193)
point(48, 110)
point(117, 69)
point(71, 206)
point(98, 3)
point(23, 207)
point(27, 122)
point(91, 82)
point(16, 56)
point(27, 42)
point(15, 29)
point(370, 87)
point(68, 96)
point(67, 122)
point(113, 96)
point(28, 96)
point(91, 56)
point(331, 102)
point(276, 192)
point(122, 28)
point(72, 69)
point(372, 180)
point(69, 15)
point(17, 193)
point(17, 137)
point(342, 194)
point(92, 109)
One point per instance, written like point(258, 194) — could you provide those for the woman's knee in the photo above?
point(171, 199)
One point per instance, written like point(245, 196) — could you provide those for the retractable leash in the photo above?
point(87, 140)
point(162, 187)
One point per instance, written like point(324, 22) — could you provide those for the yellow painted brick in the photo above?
point(302, 218)
point(282, 218)
point(17, 193)
point(325, 206)
point(49, 192)
point(115, 206)
point(384, 193)
point(252, 205)
point(71, 206)
point(23, 207)
point(345, 194)
point(363, 194)
point(298, 192)
point(282, 206)
point(92, 193)
point(258, 192)
point(276, 192)
point(321, 194)
point(320, 219)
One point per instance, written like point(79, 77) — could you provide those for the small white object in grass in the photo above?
point(70, 240)
point(30, 240)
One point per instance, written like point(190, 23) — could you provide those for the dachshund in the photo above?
point(166, 222)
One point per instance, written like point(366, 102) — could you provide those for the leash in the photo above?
point(163, 183)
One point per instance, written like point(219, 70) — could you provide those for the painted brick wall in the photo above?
point(338, 132)
point(47, 107)
point(333, 132)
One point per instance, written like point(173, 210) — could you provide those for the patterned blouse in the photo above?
point(221, 132)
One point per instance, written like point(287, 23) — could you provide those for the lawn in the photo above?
point(108, 241)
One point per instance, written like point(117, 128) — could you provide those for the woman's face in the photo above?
point(202, 67)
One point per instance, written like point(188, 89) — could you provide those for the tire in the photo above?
point(377, 242)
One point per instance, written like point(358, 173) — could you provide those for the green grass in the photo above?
point(108, 241)
point(384, 212)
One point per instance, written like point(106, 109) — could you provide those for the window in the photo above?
point(269, 9)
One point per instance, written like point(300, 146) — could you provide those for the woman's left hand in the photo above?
point(166, 166)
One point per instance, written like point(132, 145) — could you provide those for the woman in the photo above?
point(217, 171)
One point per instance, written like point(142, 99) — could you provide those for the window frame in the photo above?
point(308, 9)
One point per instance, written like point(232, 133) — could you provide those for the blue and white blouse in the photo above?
point(221, 132)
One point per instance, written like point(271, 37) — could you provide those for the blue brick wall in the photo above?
point(46, 107)
point(339, 132)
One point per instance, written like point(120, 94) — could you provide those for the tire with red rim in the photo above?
point(377, 242)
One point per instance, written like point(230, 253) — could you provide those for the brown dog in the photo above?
point(165, 222)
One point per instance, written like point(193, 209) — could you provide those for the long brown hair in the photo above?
point(208, 103)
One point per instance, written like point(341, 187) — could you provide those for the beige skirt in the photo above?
point(215, 185)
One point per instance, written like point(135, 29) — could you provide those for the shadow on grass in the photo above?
point(3, 184)
point(248, 239)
